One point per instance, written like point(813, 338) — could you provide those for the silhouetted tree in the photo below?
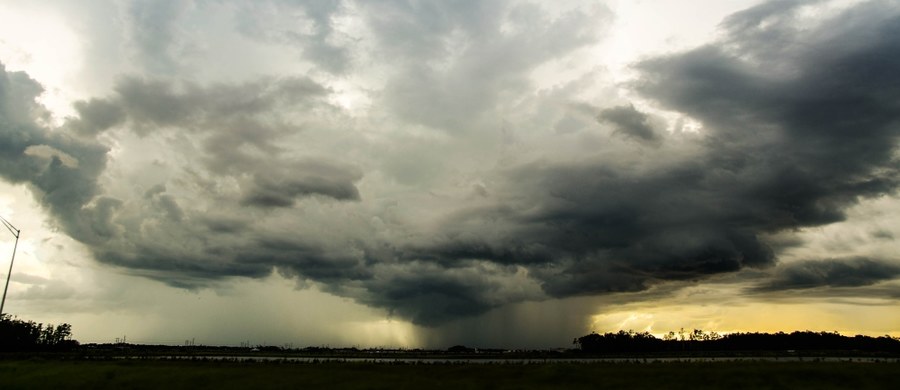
point(460, 349)
point(698, 340)
point(20, 335)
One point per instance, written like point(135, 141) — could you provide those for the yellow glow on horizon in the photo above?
point(756, 316)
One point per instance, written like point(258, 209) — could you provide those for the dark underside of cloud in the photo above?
point(630, 123)
point(852, 272)
point(790, 140)
point(798, 125)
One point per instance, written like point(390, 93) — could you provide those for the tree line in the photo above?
point(21, 335)
point(699, 340)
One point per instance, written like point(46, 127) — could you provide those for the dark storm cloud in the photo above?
point(432, 298)
point(589, 228)
point(790, 139)
point(630, 123)
point(176, 267)
point(242, 125)
point(223, 224)
point(280, 189)
point(787, 143)
point(851, 272)
point(308, 260)
point(165, 202)
point(430, 294)
point(160, 103)
point(35, 155)
point(153, 104)
point(241, 129)
point(67, 190)
point(809, 142)
point(96, 115)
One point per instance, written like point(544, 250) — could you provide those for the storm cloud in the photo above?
point(457, 184)
point(630, 123)
point(61, 171)
point(779, 151)
point(853, 272)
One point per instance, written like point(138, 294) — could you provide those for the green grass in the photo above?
point(150, 374)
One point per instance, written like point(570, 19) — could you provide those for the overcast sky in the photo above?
point(423, 174)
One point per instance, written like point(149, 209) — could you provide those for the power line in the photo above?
point(12, 229)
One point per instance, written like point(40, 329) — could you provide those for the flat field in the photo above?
point(170, 375)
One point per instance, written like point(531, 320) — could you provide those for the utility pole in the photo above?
point(15, 232)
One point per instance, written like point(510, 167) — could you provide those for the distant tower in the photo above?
point(15, 232)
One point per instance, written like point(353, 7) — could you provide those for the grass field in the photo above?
point(153, 374)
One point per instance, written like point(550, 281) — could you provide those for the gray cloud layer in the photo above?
point(853, 272)
point(788, 142)
point(69, 191)
point(269, 174)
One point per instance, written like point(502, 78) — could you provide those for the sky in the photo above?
point(412, 174)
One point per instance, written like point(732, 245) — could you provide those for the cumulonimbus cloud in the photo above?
point(787, 142)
